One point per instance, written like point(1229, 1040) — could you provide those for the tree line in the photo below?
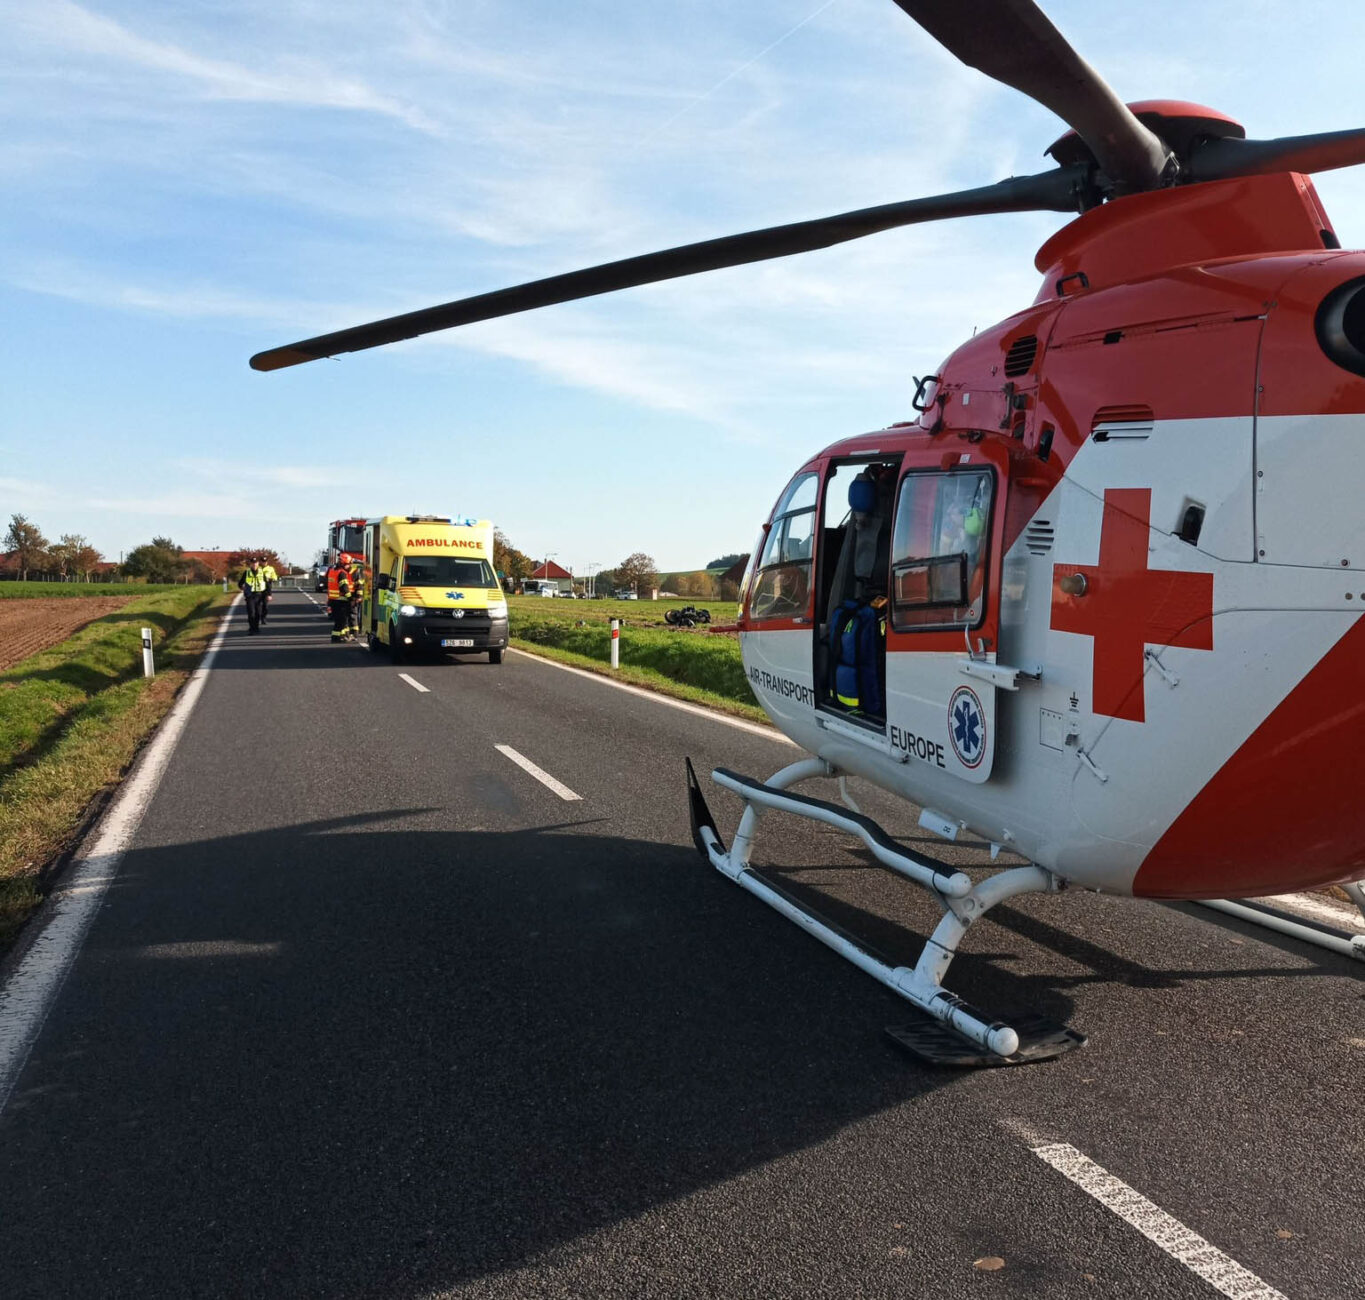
point(72, 558)
point(637, 572)
point(161, 560)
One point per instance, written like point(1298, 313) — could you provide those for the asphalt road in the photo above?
point(369, 1010)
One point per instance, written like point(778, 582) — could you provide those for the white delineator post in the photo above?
point(148, 668)
point(616, 643)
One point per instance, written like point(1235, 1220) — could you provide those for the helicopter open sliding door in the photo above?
point(943, 612)
point(778, 603)
point(851, 583)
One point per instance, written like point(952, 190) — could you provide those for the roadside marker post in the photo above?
point(616, 643)
point(148, 668)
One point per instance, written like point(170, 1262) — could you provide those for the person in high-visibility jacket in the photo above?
point(254, 585)
point(271, 578)
point(357, 571)
point(339, 588)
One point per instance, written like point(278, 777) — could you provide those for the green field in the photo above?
point(37, 590)
point(634, 613)
point(691, 663)
point(73, 716)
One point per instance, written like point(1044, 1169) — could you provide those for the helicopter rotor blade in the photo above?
point(1064, 189)
point(1219, 160)
point(1013, 42)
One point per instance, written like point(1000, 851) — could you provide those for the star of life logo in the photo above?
point(967, 726)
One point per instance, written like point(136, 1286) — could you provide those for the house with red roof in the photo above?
point(557, 574)
point(216, 562)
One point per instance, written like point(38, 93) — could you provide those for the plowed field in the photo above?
point(27, 626)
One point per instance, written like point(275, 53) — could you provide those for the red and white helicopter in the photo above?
point(1101, 603)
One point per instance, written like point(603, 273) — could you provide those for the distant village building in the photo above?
point(556, 574)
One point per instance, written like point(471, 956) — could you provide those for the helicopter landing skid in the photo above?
point(1040, 1039)
point(963, 902)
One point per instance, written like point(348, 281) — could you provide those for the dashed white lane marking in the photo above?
point(28, 995)
point(414, 683)
point(768, 733)
point(1220, 1271)
point(543, 777)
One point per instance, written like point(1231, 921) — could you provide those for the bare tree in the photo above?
point(639, 572)
point(74, 556)
point(26, 540)
point(86, 559)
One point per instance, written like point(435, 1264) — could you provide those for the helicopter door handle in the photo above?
point(1075, 275)
point(1001, 675)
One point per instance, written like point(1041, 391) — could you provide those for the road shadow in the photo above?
point(298, 635)
point(351, 1058)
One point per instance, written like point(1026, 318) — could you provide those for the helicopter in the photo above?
point(1099, 603)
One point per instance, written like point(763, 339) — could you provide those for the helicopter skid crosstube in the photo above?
point(1333, 938)
point(962, 901)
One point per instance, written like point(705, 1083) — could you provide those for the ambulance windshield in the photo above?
point(447, 571)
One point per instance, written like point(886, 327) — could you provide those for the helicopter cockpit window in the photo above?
point(782, 587)
point(939, 550)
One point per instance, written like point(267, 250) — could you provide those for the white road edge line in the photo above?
point(768, 733)
point(31, 989)
point(1220, 1271)
point(543, 777)
point(415, 684)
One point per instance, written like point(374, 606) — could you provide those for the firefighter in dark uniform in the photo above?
point(254, 585)
point(339, 589)
point(357, 571)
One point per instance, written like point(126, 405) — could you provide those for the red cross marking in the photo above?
point(1127, 606)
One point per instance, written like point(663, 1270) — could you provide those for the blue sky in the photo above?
point(187, 184)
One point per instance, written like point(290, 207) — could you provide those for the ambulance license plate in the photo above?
point(458, 641)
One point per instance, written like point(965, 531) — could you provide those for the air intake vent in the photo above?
point(1021, 356)
point(1038, 537)
point(1122, 422)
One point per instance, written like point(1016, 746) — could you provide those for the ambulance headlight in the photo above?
point(407, 611)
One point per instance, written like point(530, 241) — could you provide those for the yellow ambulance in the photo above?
point(430, 587)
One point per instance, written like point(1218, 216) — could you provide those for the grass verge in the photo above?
point(643, 677)
point(690, 665)
point(72, 719)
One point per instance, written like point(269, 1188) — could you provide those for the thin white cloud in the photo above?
point(23, 491)
point(91, 286)
point(78, 30)
point(284, 476)
point(181, 507)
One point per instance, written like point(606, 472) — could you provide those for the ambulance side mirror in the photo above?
point(382, 582)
